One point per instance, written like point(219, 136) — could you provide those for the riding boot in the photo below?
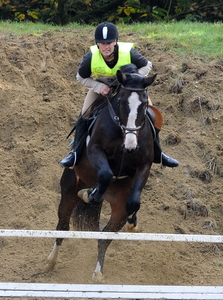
point(74, 155)
point(160, 156)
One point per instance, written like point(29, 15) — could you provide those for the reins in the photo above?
point(87, 113)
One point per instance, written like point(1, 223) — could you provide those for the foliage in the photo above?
point(119, 11)
point(134, 11)
point(203, 10)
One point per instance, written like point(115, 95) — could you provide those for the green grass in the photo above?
point(185, 38)
point(20, 28)
point(201, 39)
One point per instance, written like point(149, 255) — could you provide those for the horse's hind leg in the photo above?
point(116, 222)
point(68, 201)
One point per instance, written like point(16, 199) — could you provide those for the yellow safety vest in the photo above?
point(99, 68)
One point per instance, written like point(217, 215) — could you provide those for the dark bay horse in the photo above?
point(114, 165)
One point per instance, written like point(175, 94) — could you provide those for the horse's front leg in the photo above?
point(67, 203)
point(99, 161)
point(133, 202)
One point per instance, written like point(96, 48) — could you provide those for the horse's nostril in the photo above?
point(130, 150)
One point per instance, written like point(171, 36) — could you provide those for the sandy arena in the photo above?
point(40, 100)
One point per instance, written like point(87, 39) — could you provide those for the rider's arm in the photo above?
point(90, 83)
point(144, 71)
point(143, 64)
point(84, 75)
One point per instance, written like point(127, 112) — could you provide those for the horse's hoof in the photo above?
point(97, 276)
point(88, 196)
point(83, 194)
point(131, 228)
point(51, 264)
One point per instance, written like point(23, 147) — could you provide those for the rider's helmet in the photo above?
point(106, 32)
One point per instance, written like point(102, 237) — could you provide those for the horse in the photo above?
point(114, 166)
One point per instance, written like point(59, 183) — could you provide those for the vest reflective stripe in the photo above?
point(99, 68)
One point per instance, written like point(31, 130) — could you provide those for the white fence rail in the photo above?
point(113, 235)
point(44, 290)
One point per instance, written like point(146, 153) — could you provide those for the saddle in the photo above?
point(156, 116)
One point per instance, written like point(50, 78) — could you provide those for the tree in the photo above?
point(61, 12)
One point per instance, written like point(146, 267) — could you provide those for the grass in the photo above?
point(185, 38)
point(202, 39)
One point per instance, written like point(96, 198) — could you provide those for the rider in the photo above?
point(97, 72)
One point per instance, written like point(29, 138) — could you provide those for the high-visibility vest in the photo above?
point(100, 69)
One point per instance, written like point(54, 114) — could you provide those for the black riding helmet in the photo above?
point(106, 32)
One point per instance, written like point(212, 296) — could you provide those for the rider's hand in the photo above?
point(104, 90)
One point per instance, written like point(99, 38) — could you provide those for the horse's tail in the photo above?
point(86, 216)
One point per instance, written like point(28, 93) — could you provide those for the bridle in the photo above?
point(133, 89)
point(116, 118)
point(126, 130)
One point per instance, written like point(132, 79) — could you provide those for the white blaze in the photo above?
point(130, 142)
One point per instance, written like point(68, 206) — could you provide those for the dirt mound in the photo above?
point(40, 100)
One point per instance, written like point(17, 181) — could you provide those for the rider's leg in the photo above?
point(81, 127)
point(88, 101)
point(159, 155)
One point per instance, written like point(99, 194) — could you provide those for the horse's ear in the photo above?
point(149, 80)
point(120, 76)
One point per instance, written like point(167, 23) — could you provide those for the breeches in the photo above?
point(89, 99)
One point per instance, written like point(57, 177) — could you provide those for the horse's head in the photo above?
point(133, 102)
point(129, 77)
